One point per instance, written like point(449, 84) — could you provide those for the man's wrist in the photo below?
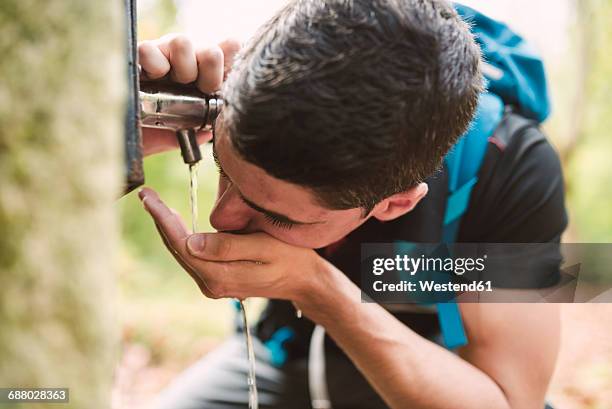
point(327, 288)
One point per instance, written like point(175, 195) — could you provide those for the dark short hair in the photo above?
point(354, 99)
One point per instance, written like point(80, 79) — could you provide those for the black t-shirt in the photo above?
point(519, 198)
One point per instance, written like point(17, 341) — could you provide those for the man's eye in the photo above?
point(283, 224)
point(274, 221)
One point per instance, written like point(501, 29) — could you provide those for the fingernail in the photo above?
point(196, 243)
point(144, 203)
point(141, 194)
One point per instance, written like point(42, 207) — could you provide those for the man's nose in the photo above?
point(230, 212)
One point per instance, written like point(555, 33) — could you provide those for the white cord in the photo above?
point(317, 382)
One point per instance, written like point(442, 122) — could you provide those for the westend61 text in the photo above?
point(432, 286)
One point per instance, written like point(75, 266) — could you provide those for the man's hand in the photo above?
point(233, 265)
point(174, 57)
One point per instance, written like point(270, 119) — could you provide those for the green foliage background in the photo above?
point(589, 168)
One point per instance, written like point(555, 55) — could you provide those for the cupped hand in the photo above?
point(228, 265)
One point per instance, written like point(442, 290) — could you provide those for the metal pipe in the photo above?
point(185, 114)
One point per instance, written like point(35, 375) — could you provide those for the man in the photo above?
point(338, 115)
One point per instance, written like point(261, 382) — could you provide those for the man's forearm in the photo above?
point(404, 368)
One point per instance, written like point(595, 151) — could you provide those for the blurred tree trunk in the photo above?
point(62, 76)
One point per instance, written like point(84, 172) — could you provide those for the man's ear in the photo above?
point(400, 203)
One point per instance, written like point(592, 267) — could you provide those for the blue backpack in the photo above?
point(515, 77)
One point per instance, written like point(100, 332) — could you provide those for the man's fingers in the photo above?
point(167, 220)
point(203, 137)
point(177, 256)
point(188, 268)
point(256, 247)
point(230, 48)
point(210, 69)
point(173, 233)
point(221, 264)
point(181, 54)
point(156, 140)
point(222, 276)
point(153, 62)
point(175, 54)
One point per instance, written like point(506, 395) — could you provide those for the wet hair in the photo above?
point(355, 100)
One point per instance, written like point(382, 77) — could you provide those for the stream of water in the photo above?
point(251, 380)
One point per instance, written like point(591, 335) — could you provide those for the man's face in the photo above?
point(249, 200)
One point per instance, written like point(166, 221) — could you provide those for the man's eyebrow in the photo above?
point(256, 207)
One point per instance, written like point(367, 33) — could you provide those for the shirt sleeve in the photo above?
point(519, 197)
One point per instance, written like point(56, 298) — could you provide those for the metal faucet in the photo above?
point(181, 110)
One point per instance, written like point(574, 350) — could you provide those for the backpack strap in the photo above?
point(463, 163)
point(464, 160)
point(511, 126)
